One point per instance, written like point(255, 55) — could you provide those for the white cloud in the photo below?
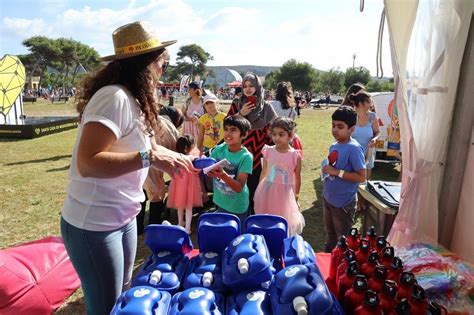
point(25, 28)
point(233, 35)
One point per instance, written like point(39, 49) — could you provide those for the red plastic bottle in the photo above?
point(362, 252)
point(405, 285)
point(396, 268)
point(367, 269)
point(353, 239)
point(336, 257)
point(349, 256)
point(418, 300)
point(370, 305)
point(354, 297)
point(371, 236)
point(378, 280)
point(387, 297)
point(387, 256)
point(346, 280)
point(380, 244)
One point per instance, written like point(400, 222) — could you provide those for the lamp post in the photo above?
point(353, 60)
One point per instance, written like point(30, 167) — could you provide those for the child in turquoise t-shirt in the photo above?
point(231, 193)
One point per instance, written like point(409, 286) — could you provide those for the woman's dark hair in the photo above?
point(284, 94)
point(353, 89)
point(284, 123)
point(135, 74)
point(184, 143)
point(360, 97)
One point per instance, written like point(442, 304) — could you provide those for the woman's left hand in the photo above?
point(372, 143)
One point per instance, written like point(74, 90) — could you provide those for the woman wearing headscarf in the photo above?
point(260, 114)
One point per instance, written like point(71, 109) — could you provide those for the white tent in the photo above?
point(428, 41)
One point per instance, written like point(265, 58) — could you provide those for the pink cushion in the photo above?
point(36, 277)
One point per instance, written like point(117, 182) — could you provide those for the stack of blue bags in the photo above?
point(260, 272)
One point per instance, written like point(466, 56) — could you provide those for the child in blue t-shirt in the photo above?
point(231, 194)
point(344, 170)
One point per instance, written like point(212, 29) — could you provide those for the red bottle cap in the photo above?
point(349, 255)
point(360, 283)
point(373, 257)
point(371, 232)
point(418, 293)
point(371, 299)
point(342, 242)
point(352, 268)
point(381, 242)
point(390, 288)
point(407, 278)
point(354, 232)
point(364, 245)
point(388, 252)
point(396, 263)
point(403, 308)
point(380, 272)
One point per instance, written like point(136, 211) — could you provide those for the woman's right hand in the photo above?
point(172, 163)
point(246, 109)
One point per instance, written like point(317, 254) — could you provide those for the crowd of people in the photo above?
point(127, 140)
point(49, 92)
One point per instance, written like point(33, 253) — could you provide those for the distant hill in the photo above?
point(261, 71)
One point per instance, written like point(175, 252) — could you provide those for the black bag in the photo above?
point(387, 192)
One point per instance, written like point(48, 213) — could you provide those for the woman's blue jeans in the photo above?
point(103, 261)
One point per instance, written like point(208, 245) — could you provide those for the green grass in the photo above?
point(44, 107)
point(34, 180)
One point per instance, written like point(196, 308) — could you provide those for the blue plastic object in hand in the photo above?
point(203, 162)
point(300, 287)
point(249, 303)
point(142, 301)
point(197, 301)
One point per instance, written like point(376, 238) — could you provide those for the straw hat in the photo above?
point(135, 39)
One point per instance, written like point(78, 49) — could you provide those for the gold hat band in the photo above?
point(148, 44)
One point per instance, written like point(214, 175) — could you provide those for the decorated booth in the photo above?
point(13, 121)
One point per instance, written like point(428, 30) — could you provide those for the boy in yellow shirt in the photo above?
point(211, 125)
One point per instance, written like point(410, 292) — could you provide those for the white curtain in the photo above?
point(427, 40)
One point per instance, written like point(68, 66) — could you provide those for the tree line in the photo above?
point(65, 55)
point(304, 77)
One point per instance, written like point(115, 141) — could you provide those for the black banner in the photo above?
point(37, 127)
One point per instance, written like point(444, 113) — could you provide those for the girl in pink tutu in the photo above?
point(184, 192)
point(280, 181)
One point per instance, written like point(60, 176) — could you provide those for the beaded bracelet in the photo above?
point(145, 157)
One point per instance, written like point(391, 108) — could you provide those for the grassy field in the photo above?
point(34, 179)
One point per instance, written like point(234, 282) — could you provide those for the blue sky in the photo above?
point(325, 33)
